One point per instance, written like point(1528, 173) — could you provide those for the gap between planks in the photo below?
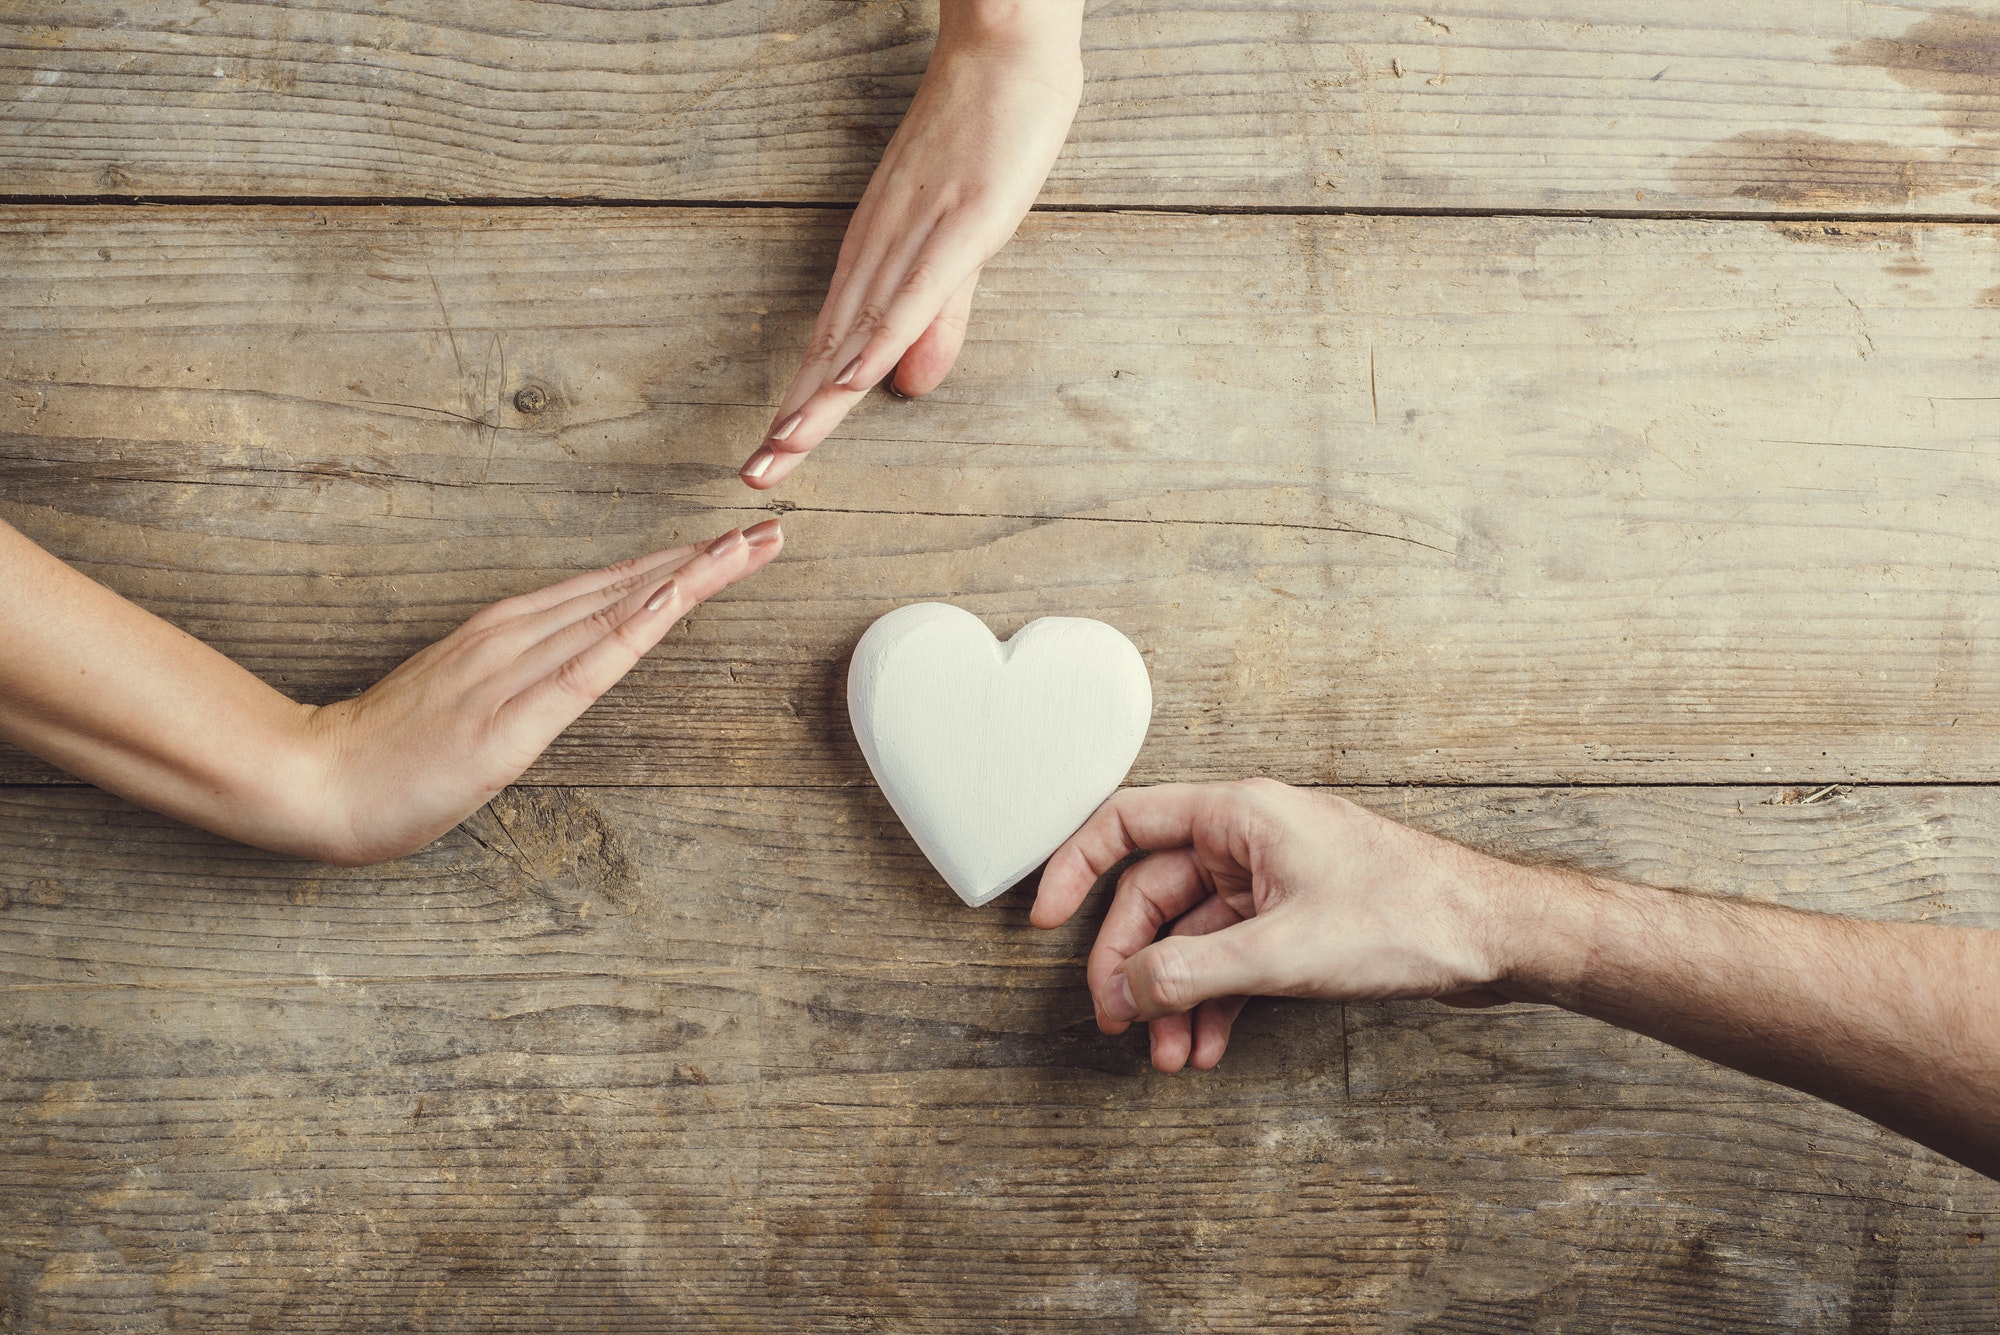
point(1194, 210)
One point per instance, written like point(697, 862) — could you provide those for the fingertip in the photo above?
point(1117, 1001)
point(764, 541)
point(1048, 912)
point(1056, 899)
point(780, 465)
point(1211, 1036)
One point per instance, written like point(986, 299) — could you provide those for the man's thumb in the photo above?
point(1178, 973)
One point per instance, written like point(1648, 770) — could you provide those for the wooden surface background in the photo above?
point(1657, 537)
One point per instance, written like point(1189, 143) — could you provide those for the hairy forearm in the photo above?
point(113, 694)
point(1899, 1022)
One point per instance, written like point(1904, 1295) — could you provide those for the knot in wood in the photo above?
point(531, 399)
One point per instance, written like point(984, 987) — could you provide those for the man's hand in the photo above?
point(956, 180)
point(1264, 889)
point(1261, 889)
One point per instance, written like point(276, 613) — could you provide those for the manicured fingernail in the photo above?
point(661, 596)
point(894, 392)
point(760, 464)
point(1119, 1005)
point(757, 535)
point(853, 369)
point(788, 426)
point(726, 544)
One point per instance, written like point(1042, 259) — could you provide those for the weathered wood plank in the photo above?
point(724, 1059)
point(1702, 104)
point(1381, 500)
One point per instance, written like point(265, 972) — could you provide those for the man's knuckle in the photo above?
point(1172, 979)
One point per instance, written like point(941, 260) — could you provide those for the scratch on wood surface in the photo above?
point(1374, 402)
point(444, 315)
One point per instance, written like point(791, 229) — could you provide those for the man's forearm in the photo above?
point(1899, 1022)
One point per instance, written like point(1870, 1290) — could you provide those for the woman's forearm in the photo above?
point(1899, 1022)
point(111, 693)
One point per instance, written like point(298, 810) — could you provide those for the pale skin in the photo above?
point(113, 694)
point(961, 172)
point(1258, 889)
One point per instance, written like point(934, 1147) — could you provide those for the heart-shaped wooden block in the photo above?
point(992, 753)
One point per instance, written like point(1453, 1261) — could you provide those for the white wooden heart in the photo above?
point(992, 753)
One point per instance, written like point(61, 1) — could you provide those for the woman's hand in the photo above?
point(959, 175)
point(434, 740)
point(1265, 890)
point(117, 696)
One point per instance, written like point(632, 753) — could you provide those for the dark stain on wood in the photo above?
point(1798, 169)
point(1955, 55)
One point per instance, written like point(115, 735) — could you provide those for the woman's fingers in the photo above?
point(948, 260)
point(579, 586)
point(550, 704)
point(893, 307)
point(554, 637)
point(601, 593)
point(932, 356)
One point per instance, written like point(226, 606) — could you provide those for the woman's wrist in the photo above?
point(1030, 28)
point(285, 800)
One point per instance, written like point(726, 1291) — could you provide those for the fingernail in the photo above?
point(894, 392)
point(788, 426)
point(757, 535)
point(661, 597)
point(760, 463)
point(726, 544)
point(1119, 1005)
point(853, 369)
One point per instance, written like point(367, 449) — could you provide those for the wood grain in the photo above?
point(727, 1058)
point(1380, 500)
point(1788, 105)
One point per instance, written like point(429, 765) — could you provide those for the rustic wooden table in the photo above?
point(1570, 436)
